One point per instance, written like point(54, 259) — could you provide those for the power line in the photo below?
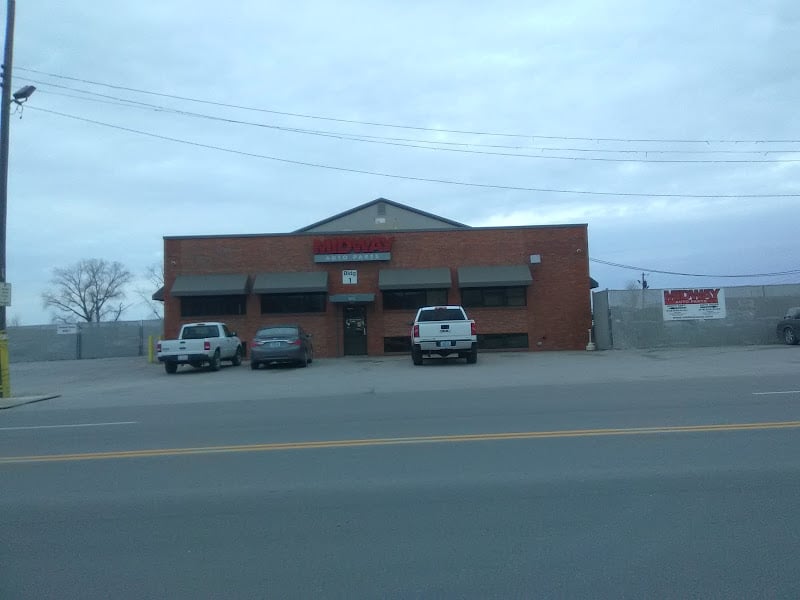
point(144, 105)
point(101, 100)
point(633, 268)
point(412, 127)
point(114, 100)
point(410, 177)
point(385, 142)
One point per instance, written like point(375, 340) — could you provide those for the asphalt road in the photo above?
point(672, 487)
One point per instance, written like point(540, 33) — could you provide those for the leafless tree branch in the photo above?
point(88, 290)
point(155, 278)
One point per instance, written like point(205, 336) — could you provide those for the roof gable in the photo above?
point(381, 215)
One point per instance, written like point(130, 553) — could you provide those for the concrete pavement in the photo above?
point(131, 381)
point(578, 503)
point(681, 516)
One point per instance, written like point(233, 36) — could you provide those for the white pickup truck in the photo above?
point(201, 344)
point(443, 330)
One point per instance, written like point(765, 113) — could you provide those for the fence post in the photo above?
point(5, 374)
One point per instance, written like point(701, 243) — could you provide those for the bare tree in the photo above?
point(632, 285)
point(154, 274)
point(91, 290)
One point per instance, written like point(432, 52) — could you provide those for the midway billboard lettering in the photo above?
point(694, 304)
point(707, 296)
point(353, 245)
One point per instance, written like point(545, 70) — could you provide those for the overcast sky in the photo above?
point(710, 71)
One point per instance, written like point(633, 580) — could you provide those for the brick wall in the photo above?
point(557, 315)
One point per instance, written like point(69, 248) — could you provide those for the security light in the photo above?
point(23, 93)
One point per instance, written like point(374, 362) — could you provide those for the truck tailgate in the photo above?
point(445, 330)
point(170, 347)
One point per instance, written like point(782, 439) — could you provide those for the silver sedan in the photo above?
point(281, 344)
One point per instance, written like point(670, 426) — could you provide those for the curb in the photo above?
point(19, 401)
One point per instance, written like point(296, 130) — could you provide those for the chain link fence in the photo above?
point(32, 343)
point(625, 319)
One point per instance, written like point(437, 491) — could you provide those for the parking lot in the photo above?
point(359, 463)
point(126, 381)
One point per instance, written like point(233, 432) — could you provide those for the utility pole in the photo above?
point(5, 119)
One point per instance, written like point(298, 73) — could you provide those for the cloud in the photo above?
point(621, 69)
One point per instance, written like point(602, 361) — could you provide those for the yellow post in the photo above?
point(150, 356)
point(5, 376)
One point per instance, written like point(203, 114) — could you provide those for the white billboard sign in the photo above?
point(692, 304)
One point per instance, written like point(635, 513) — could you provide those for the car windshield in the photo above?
point(276, 332)
point(441, 314)
point(199, 332)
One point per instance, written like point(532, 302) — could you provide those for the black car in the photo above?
point(281, 344)
point(789, 327)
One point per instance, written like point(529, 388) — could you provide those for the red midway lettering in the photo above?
point(353, 245)
point(706, 296)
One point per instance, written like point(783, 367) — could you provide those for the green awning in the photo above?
point(291, 283)
point(210, 285)
point(494, 276)
point(351, 298)
point(158, 295)
point(414, 279)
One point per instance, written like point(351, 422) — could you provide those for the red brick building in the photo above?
point(355, 280)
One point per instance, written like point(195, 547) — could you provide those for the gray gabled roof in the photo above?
point(340, 215)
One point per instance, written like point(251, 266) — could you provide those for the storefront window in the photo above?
point(413, 299)
point(293, 303)
point(499, 341)
point(494, 296)
point(397, 344)
point(205, 306)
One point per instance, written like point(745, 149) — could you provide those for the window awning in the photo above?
point(291, 283)
point(414, 279)
point(352, 298)
point(495, 276)
point(158, 295)
point(210, 285)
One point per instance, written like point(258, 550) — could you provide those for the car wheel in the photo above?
point(254, 365)
point(171, 367)
point(416, 356)
point(789, 336)
point(237, 358)
point(215, 361)
point(303, 363)
point(472, 357)
point(311, 357)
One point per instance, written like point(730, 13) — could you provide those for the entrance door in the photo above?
point(355, 330)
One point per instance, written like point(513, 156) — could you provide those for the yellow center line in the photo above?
point(432, 439)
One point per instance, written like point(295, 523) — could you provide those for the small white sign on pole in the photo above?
point(5, 294)
point(68, 329)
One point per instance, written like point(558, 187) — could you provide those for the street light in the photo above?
point(6, 99)
point(23, 93)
